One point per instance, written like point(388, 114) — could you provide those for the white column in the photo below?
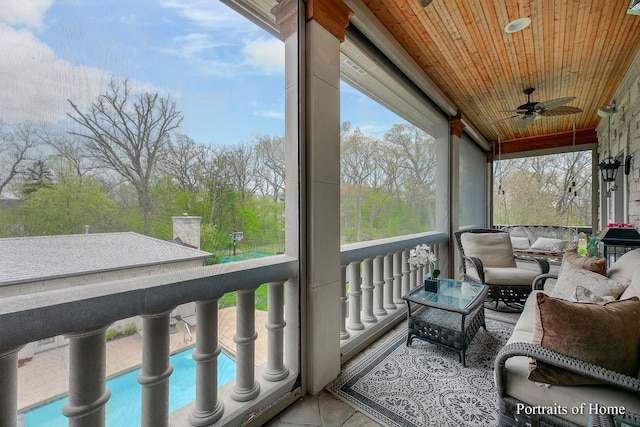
point(275, 370)
point(156, 369)
point(344, 334)
point(9, 388)
point(246, 387)
point(367, 291)
point(88, 393)
point(355, 297)
point(207, 408)
point(388, 283)
point(413, 273)
point(378, 286)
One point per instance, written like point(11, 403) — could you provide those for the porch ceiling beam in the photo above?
point(556, 140)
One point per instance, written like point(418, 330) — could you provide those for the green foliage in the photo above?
point(130, 329)
point(111, 334)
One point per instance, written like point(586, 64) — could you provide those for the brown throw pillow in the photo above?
point(606, 334)
point(597, 265)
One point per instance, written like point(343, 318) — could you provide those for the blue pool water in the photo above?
point(123, 408)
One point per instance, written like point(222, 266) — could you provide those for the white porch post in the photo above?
point(324, 31)
point(88, 393)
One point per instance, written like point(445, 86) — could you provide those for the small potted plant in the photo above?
point(422, 255)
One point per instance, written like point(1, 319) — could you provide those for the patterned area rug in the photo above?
point(425, 384)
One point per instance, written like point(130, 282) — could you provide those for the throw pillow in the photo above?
point(606, 335)
point(549, 244)
point(571, 276)
point(520, 242)
point(582, 294)
point(597, 265)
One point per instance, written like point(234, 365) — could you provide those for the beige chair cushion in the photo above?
point(549, 244)
point(493, 249)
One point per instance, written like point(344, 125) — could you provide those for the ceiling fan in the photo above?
point(534, 110)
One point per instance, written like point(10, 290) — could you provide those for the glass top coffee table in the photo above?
point(449, 317)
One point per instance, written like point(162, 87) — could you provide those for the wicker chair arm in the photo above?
point(477, 264)
point(540, 280)
point(543, 264)
point(554, 358)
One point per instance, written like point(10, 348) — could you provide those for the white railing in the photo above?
point(376, 275)
point(83, 314)
point(376, 272)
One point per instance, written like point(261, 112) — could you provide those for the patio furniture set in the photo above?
point(574, 356)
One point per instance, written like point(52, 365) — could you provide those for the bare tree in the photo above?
point(270, 157)
point(186, 162)
point(17, 148)
point(128, 133)
point(72, 152)
point(239, 162)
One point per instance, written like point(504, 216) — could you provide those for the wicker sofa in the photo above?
point(523, 401)
point(548, 241)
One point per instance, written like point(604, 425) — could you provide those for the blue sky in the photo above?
point(225, 74)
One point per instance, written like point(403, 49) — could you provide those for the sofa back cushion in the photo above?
point(493, 249)
point(624, 267)
point(606, 335)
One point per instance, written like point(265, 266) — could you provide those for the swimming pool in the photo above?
point(123, 408)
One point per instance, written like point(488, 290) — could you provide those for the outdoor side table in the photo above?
point(449, 317)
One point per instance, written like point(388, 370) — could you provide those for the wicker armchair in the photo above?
point(514, 412)
point(494, 264)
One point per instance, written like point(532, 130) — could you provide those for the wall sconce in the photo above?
point(609, 168)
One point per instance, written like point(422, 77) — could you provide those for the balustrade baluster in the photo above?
point(344, 334)
point(388, 283)
point(207, 408)
point(406, 273)
point(397, 278)
point(156, 369)
point(275, 370)
point(378, 286)
point(245, 388)
point(88, 393)
point(9, 388)
point(413, 274)
point(367, 292)
point(355, 297)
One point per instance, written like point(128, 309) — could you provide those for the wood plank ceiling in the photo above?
point(572, 48)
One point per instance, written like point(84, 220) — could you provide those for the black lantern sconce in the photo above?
point(609, 168)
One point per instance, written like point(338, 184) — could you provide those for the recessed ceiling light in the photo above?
point(517, 25)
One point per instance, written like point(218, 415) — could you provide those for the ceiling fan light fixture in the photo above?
point(517, 25)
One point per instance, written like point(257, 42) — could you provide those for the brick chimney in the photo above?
point(187, 229)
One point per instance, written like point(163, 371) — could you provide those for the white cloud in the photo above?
point(35, 84)
point(279, 115)
point(210, 14)
point(266, 55)
point(24, 12)
point(190, 45)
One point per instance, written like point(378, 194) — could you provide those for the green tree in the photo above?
point(37, 176)
point(67, 208)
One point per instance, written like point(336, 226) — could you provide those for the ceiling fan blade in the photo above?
point(519, 110)
point(505, 119)
point(554, 103)
point(561, 111)
point(525, 121)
